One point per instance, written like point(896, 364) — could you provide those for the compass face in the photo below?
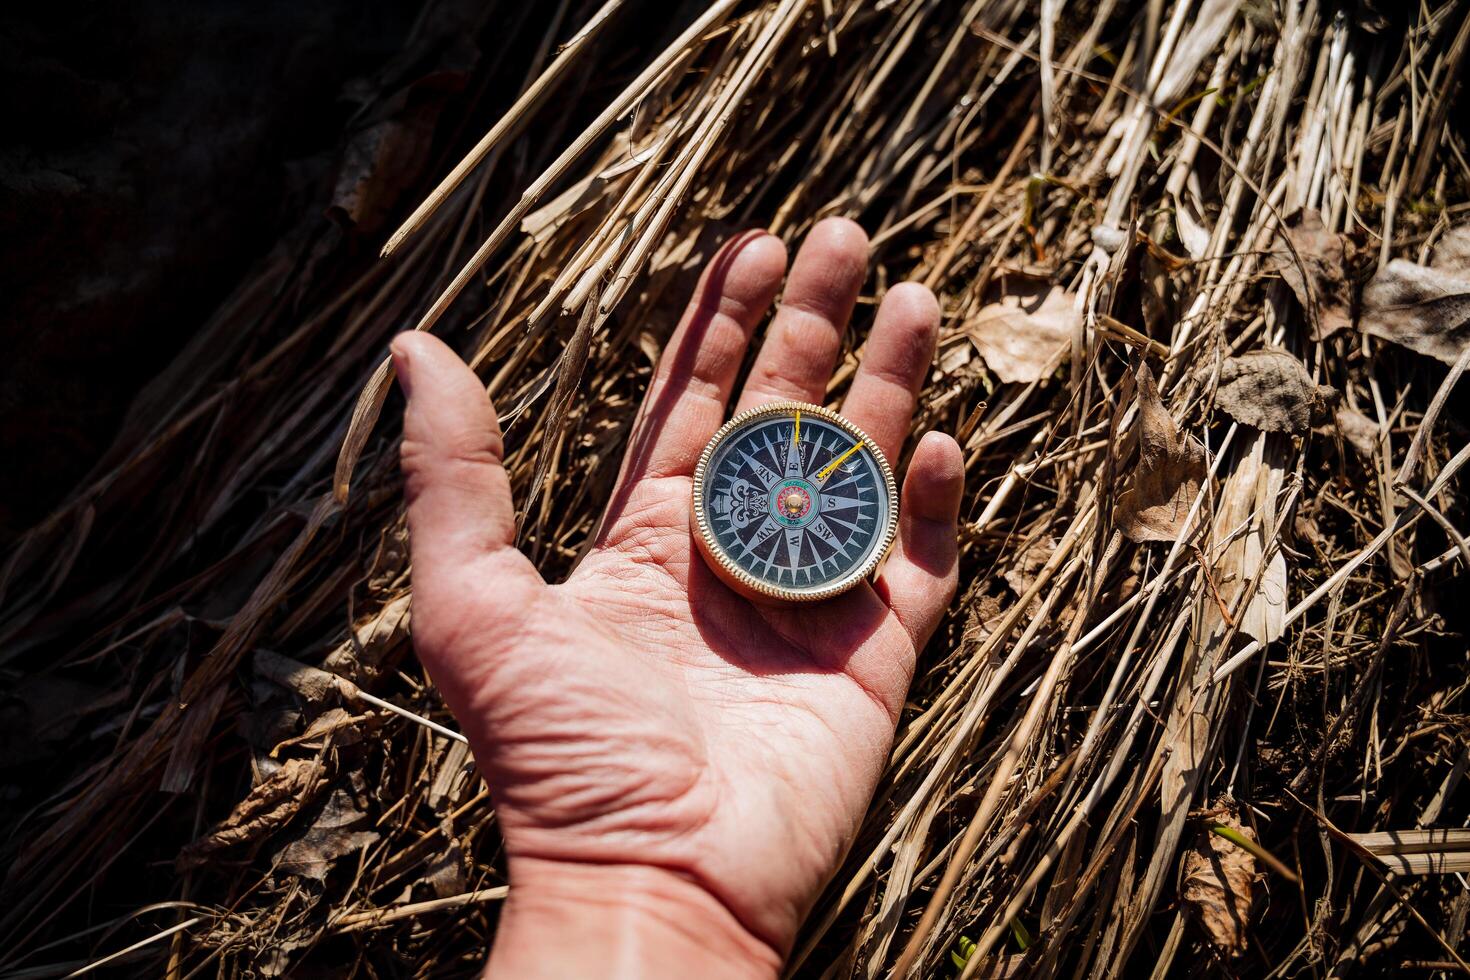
point(794, 502)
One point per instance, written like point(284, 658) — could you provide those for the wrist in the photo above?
point(565, 919)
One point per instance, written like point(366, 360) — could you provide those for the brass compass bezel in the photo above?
point(738, 578)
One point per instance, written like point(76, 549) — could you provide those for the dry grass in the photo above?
point(1128, 749)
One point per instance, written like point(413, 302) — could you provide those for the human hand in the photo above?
point(677, 770)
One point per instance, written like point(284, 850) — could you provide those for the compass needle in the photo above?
point(826, 471)
point(793, 449)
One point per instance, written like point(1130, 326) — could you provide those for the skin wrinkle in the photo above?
point(932, 529)
point(641, 893)
point(886, 376)
point(915, 629)
point(616, 608)
point(731, 642)
point(809, 308)
point(690, 865)
point(474, 449)
point(756, 636)
point(812, 334)
point(460, 467)
point(645, 548)
point(803, 646)
point(898, 375)
point(572, 777)
point(681, 921)
point(437, 636)
point(647, 803)
point(479, 538)
point(890, 712)
point(648, 507)
point(644, 578)
point(696, 387)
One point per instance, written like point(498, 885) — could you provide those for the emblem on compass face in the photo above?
point(793, 502)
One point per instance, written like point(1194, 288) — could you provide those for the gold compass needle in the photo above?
point(826, 471)
point(796, 433)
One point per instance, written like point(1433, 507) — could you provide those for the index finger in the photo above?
point(686, 400)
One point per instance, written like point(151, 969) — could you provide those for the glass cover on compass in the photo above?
point(794, 502)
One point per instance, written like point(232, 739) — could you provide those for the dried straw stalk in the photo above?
point(1102, 716)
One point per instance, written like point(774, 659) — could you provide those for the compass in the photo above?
point(793, 502)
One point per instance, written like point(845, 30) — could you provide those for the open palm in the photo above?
point(644, 730)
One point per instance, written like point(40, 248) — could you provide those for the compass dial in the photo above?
point(793, 502)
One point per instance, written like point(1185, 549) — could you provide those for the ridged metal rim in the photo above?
point(712, 548)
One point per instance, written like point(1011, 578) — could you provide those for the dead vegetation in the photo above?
point(1200, 706)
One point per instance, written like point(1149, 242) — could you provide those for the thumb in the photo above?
point(459, 504)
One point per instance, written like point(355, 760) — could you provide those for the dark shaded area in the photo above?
point(155, 150)
point(192, 398)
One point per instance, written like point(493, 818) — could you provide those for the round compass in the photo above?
point(793, 502)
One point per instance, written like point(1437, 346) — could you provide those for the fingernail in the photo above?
point(403, 368)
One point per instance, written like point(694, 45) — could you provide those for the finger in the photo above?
point(796, 358)
point(899, 352)
point(691, 386)
point(459, 502)
point(920, 575)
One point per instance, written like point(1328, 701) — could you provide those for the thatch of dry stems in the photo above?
point(1208, 627)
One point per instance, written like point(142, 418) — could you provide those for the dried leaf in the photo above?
point(955, 357)
point(371, 640)
point(1248, 499)
point(1359, 431)
point(333, 835)
point(1217, 880)
point(331, 722)
point(444, 875)
point(1192, 233)
point(1022, 570)
point(451, 777)
point(1271, 390)
point(378, 165)
point(311, 683)
point(1452, 252)
point(1156, 294)
point(985, 610)
point(1424, 309)
point(1023, 342)
point(334, 727)
point(1169, 473)
point(270, 805)
point(1325, 286)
